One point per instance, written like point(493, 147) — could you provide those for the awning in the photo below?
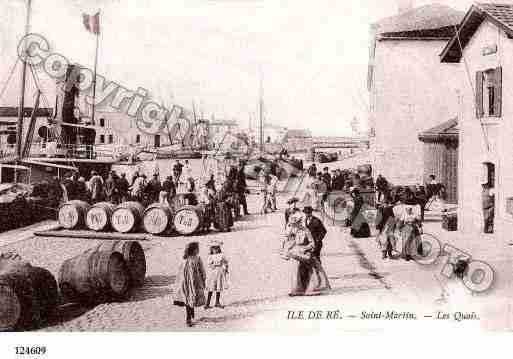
point(445, 132)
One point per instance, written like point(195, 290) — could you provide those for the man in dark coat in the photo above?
point(111, 190)
point(153, 189)
point(70, 184)
point(312, 170)
point(177, 171)
point(359, 226)
point(240, 188)
point(381, 187)
point(326, 177)
point(488, 204)
point(123, 186)
point(317, 229)
point(169, 186)
point(211, 184)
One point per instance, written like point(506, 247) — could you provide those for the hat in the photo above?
point(308, 209)
point(293, 200)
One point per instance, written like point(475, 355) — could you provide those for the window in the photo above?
point(489, 93)
point(111, 139)
point(157, 140)
point(102, 138)
point(138, 139)
point(488, 174)
point(102, 122)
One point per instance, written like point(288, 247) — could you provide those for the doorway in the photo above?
point(488, 197)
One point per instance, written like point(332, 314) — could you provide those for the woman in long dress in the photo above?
point(409, 225)
point(298, 245)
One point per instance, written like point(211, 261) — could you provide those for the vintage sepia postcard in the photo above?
point(255, 166)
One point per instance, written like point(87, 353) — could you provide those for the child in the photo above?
point(190, 282)
point(217, 275)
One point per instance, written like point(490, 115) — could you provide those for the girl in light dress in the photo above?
point(190, 282)
point(217, 274)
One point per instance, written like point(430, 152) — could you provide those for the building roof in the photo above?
point(446, 131)
point(433, 21)
point(271, 126)
point(223, 123)
point(499, 14)
point(298, 134)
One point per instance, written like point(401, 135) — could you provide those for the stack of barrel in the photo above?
point(28, 295)
point(102, 273)
point(183, 216)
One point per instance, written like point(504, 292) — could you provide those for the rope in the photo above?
point(485, 136)
point(13, 68)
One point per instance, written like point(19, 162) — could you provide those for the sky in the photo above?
point(311, 55)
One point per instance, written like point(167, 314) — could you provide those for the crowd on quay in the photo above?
point(210, 189)
point(400, 209)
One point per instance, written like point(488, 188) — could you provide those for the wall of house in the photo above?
point(498, 133)
point(441, 160)
point(411, 91)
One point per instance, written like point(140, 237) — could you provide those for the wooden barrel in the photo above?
point(27, 296)
point(134, 257)
point(93, 276)
point(72, 214)
point(99, 215)
point(188, 219)
point(127, 217)
point(157, 218)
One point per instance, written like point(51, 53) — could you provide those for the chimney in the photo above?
point(404, 6)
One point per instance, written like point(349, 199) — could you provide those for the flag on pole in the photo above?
point(92, 22)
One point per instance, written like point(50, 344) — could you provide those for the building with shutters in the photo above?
point(485, 47)
point(410, 90)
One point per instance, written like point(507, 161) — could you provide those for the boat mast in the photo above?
point(261, 107)
point(19, 125)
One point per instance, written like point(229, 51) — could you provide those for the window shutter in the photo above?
point(498, 90)
point(479, 94)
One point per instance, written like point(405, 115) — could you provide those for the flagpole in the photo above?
point(95, 65)
point(19, 123)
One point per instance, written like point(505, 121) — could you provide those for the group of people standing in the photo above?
point(400, 225)
point(97, 189)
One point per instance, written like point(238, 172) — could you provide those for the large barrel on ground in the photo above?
point(99, 215)
point(188, 219)
point(158, 218)
point(72, 214)
point(127, 217)
point(223, 219)
point(94, 275)
point(27, 296)
point(133, 254)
